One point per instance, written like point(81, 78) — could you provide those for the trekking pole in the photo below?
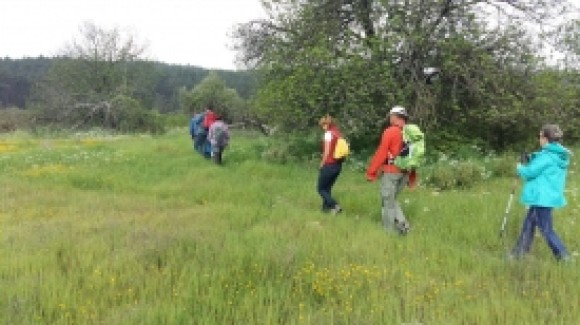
point(524, 160)
point(507, 209)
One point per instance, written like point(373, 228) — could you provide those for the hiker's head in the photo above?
point(550, 133)
point(398, 115)
point(326, 121)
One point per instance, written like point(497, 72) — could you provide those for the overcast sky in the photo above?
point(191, 32)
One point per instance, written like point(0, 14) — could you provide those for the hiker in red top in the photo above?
point(209, 118)
point(393, 180)
point(330, 168)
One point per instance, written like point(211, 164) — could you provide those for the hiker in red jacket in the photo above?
point(330, 168)
point(209, 118)
point(393, 180)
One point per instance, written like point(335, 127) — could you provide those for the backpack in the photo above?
point(341, 149)
point(220, 134)
point(412, 154)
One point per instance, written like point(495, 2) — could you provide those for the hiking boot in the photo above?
point(336, 210)
point(403, 227)
point(512, 257)
point(566, 259)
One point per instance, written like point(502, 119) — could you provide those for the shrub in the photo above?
point(468, 173)
point(293, 148)
point(455, 174)
point(131, 117)
point(440, 177)
point(278, 153)
point(13, 119)
point(176, 120)
point(454, 146)
point(502, 166)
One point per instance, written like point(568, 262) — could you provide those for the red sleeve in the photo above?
point(380, 156)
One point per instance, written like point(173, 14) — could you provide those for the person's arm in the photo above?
point(227, 136)
point(380, 156)
point(192, 129)
point(326, 149)
point(210, 136)
point(534, 168)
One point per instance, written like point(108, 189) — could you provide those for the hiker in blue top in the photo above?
point(197, 132)
point(544, 181)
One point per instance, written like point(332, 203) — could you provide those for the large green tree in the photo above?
point(213, 92)
point(97, 71)
point(354, 59)
point(557, 91)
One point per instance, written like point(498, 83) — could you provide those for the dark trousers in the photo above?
point(326, 179)
point(542, 218)
point(199, 142)
point(216, 155)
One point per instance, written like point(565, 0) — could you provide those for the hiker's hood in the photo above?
point(558, 153)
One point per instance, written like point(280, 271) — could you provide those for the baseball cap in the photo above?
point(399, 110)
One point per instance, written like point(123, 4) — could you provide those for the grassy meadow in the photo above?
point(112, 229)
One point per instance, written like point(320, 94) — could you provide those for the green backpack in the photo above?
point(412, 155)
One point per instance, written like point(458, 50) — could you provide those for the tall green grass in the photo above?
point(140, 230)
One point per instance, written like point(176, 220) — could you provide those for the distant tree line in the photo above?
point(101, 79)
point(160, 87)
point(17, 78)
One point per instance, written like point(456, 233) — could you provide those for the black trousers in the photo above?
point(326, 179)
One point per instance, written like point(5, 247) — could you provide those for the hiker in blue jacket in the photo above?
point(197, 132)
point(544, 181)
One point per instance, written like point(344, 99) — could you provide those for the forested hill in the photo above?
point(18, 76)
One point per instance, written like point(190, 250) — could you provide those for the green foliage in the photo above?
point(452, 145)
point(468, 166)
point(556, 100)
point(102, 64)
point(133, 118)
point(454, 175)
point(154, 84)
point(212, 91)
point(292, 148)
point(294, 99)
point(176, 120)
point(13, 119)
point(355, 61)
point(17, 77)
point(567, 38)
point(503, 165)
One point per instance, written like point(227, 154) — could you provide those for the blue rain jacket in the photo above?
point(545, 177)
point(195, 125)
